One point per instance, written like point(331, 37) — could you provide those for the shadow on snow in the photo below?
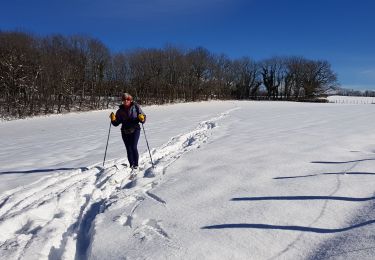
point(292, 198)
point(326, 173)
point(43, 170)
point(289, 228)
point(361, 160)
point(302, 198)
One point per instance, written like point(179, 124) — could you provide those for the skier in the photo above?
point(129, 115)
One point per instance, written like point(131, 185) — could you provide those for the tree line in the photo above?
point(55, 73)
point(356, 93)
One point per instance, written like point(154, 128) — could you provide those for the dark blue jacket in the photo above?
point(128, 117)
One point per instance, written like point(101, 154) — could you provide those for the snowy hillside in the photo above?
point(232, 180)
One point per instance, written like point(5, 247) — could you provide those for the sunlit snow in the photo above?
point(232, 180)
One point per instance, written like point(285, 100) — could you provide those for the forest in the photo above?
point(56, 73)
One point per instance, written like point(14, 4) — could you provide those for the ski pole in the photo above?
point(109, 131)
point(148, 147)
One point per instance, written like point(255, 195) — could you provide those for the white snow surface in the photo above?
point(351, 100)
point(232, 180)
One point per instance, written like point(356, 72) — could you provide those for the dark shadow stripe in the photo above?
point(343, 162)
point(295, 177)
point(84, 236)
point(289, 228)
point(302, 198)
point(4, 201)
point(44, 170)
point(349, 173)
point(325, 173)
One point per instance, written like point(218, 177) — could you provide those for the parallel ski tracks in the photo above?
point(48, 215)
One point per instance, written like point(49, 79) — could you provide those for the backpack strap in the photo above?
point(136, 108)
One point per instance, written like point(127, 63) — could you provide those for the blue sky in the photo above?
point(340, 31)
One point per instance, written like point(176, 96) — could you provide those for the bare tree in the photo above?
point(247, 78)
point(272, 74)
point(19, 73)
point(198, 61)
point(318, 78)
point(55, 73)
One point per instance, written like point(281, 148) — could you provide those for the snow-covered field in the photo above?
point(351, 100)
point(232, 180)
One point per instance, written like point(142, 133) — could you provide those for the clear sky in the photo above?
point(340, 31)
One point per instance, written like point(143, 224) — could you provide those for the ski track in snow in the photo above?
point(52, 217)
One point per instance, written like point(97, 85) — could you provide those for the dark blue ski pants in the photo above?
point(131, 143)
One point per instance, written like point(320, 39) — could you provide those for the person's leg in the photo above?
point(134, 146)
point(127, 138)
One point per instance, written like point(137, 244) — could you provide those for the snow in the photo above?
point(351, 100)
point(232, 180)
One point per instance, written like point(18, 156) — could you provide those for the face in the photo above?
point(127, 102)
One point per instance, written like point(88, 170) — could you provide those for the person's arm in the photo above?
point(141, 115)
point(115, 119)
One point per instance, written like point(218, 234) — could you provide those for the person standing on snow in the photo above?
point(129, 115)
